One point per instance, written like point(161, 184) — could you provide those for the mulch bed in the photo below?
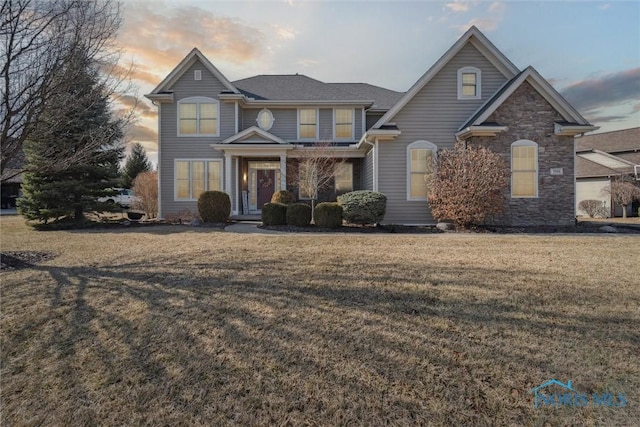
point(17, 260)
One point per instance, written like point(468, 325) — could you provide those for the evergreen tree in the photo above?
point(73, 187)
point(137, 162)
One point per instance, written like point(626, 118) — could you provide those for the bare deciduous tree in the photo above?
point(623, 193)
point(468, 185)
point(145, 187)
point(318, 166)
point(39, 41)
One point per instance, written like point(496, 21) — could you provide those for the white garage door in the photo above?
point(592, 189)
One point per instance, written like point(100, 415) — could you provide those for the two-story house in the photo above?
point(242, 137)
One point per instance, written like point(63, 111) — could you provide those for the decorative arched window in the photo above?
point(469, 83)
point(524, 168)
point(198, 116)
point(420, 165)
point(265, 119)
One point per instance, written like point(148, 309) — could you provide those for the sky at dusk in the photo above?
point(588, 50)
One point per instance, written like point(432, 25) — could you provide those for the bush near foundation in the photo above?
point(328, 215)
point(283, 196)
point(298, 214)
point(592, 208)
point(214, 206)
point(363, 207)
point(274, 214)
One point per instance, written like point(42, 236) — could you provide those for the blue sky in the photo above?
point(589, 50)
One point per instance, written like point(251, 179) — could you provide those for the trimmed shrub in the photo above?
point(298, 214)
point(363, 207)
point(283, 196)
point(274, 214)
point(328, 215)
point(592, 208)
point(214, 206)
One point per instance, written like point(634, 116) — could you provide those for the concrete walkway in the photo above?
point(249, 227)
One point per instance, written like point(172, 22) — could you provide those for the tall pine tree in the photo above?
point(91, 134)
point(136, 163)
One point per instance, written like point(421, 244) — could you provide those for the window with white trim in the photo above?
point(420, 164)
point(307, 123)
point(193, 177)
point(265, 119)
point(343, 177)
point(198, 116)
point(469, 83)
point(343, 123)
point(524, 168)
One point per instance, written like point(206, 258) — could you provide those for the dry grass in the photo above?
point(182, 326)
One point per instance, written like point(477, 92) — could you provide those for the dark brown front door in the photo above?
point(266, 186)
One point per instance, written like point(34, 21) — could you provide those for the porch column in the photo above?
point(236, 202)
point(227, 178)
point(283, 171)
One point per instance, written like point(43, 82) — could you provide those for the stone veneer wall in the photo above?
point(529, 116)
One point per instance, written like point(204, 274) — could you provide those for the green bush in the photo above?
point(274, 214)
point(283, 196)
point(328, 215)
point(363, 207)
point(214, 206)
point(298, 214)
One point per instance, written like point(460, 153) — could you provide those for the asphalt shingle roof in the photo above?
point(298, 87)
point(586, 168)
point(611, 142)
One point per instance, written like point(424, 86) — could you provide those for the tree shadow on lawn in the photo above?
point(241, 342)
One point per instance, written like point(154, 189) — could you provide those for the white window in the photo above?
point(198, 116)
point(469, 83)
point(193, 177)
point(343, 123)
point(420, 164)
point(265, 119)
point(197, 74)
point(344, 177)
point(524, 169)
point(308, 123)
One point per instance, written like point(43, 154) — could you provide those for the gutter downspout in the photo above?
point(158, 168)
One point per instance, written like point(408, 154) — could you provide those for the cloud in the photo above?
point(606, 119)
point(284, 33)
point(608, 90)
point(495, 11)
point(604, 6)
point(142, 108)
point(159, 36)
point(141, 133)
point(458, 6)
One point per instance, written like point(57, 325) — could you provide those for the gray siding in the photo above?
point(434, 115)
point(372, 119)
point(367, 172)
point(325, 128)
point(174, 147)
point(285, 123)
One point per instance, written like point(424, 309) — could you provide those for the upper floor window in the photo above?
point(420, 165)
point(265, 119)
point(469, 83)
point(343, 120)
point(308, 123)
point(198, 116)
point(524, 169)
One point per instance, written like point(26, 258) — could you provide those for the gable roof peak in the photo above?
point(187, 61)
point(474, 36)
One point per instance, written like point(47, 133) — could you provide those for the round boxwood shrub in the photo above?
point(214, 206)
point(328, 215)
point(283, 196)
point(274, 214)
point(363, 207)
point(298, 214)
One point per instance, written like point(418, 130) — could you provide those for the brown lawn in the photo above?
point(184, 326)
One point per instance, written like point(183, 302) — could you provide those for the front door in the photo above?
point(266, 186)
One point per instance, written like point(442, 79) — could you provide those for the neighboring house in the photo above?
point(601, 158)
point(245, 137)
point(11, 180)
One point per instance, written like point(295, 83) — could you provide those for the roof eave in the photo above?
point(572, 130)
point(480, 131)
point(160, 97)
